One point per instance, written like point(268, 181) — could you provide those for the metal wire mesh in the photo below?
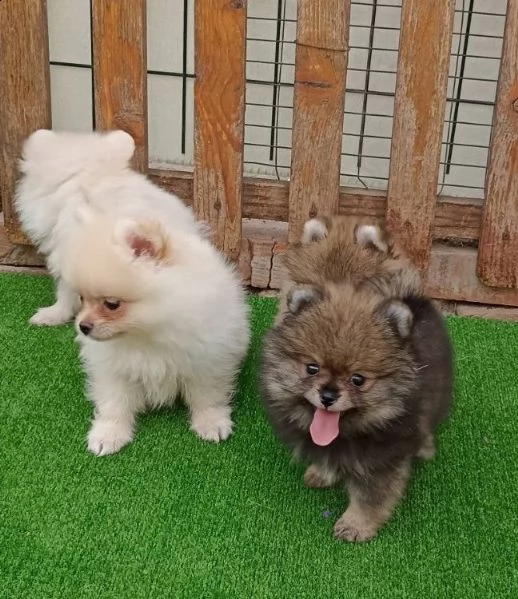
point(271, 33)
point(370, 87)
point(474, 65)
point(270, 72)
point(370, 90)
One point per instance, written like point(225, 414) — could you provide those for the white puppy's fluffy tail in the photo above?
point(56, 156)
point(86, 211)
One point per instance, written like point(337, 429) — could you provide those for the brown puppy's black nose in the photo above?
point(328, 396)
point(85, 327)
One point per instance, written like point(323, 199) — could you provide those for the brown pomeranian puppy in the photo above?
point(355, 381)
point(339, 249)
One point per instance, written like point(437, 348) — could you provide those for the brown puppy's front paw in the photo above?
point(314, 478)
point(354, 529)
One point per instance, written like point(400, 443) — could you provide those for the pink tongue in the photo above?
point(324, 428)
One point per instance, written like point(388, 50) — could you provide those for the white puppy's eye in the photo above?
point(111, 304)
point(81, 298)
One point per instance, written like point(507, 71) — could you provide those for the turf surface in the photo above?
point(171, 516)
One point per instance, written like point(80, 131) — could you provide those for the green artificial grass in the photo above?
point(172, 516)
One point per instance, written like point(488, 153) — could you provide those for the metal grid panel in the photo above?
point(70, 65)
point(370, 87)
point(271, 31)
point(170, 49)
point(270, 72)
point(474, 66)
point(475, 56)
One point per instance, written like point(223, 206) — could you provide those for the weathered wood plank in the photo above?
point(452, 275)
point(25, 92)
point(487, 312)
point(498, 250)
point(120, 70)
point(455, 218)
point(424, 58)
point(319, 94)
point(219, 105)
point(12, 254)
point(263, 239)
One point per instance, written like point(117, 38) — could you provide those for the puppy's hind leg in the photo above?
point(62, 311)
point(209, 403)
point(320, 477)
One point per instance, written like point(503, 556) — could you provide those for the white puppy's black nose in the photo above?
point(328, 396)
point(85, 327)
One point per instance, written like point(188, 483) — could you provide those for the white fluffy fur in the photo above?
point(62, 173)
point(314, 230)
point(185, 331)
point(371, 234)
point(185, 326)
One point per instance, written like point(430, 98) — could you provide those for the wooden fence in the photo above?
point(468, 248)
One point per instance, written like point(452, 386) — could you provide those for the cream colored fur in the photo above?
point(108, 232)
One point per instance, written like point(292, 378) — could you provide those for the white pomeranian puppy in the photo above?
point(159, 312)
point(61, 172)
point(161, 315)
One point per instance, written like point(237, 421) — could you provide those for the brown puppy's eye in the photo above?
point(112, 304)
point(357, 380)
point(81, 298)
point(312, 369)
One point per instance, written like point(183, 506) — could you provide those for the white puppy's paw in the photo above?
point(105, 438)
point(212, 424)
point(50, 316)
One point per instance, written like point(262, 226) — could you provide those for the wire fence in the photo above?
point(270, 66)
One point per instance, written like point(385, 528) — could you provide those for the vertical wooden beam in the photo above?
point(120, 70)
point(24, 92)
point(320, 72)
point(420, 102)
point(498, 246)
point(219, 104)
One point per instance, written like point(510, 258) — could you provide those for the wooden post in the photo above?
point(498, 247)
point(219, 105)
point(424, 60)
point(120, 70)
point(320, 72)
point(24, 92)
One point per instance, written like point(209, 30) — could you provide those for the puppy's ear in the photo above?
point(121, 143)
point(399, 316)
point(315, 229)
point(301, 297)
point(371, 235)
point(145, 239)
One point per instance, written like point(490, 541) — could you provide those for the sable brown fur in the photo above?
point(394, 337)
point(333, 254)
